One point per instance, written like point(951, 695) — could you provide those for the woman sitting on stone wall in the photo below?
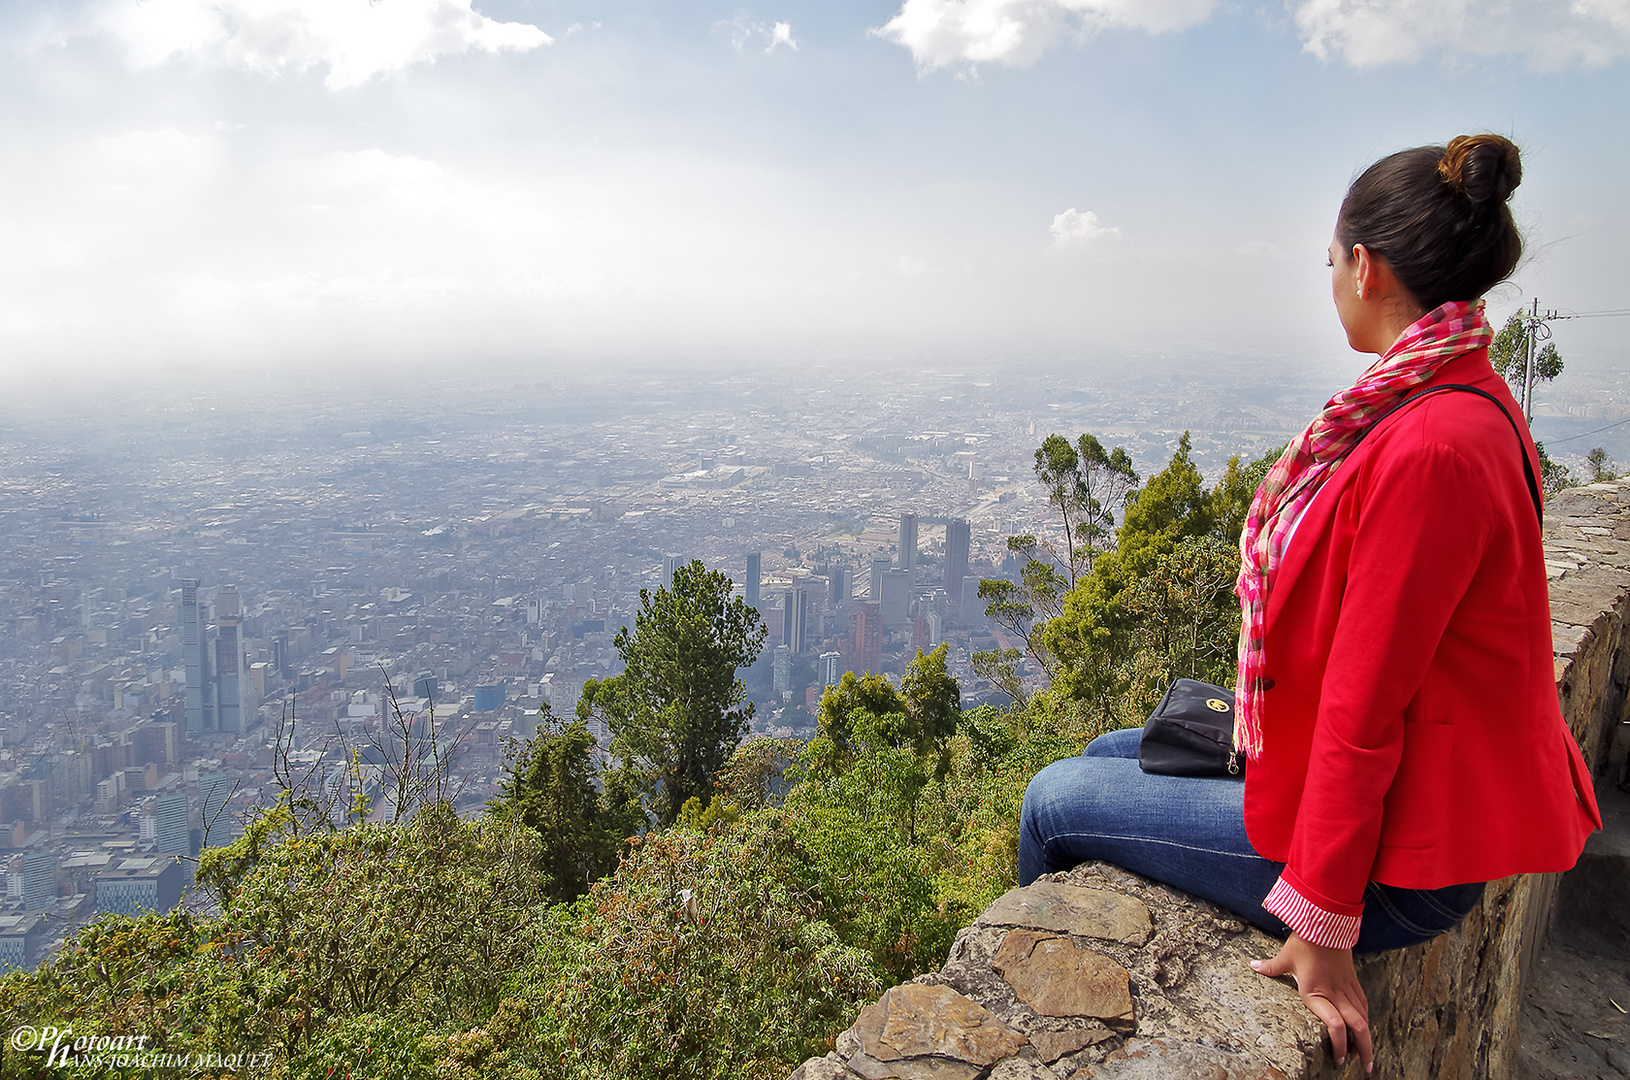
point(1396, 699)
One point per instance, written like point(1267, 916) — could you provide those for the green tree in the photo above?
point(1160, 604)
point(1093, 638)
point(1231, 499)
point(707, 955)
point(1185, 621)
point(1509, 355)
point(867, 712)
point(555, 787)
point(755, 778)
point(847, 709)
point(419, 919)
point(1086, 484)
point(678, 710)
point(1553, 477)
point(1601, 466)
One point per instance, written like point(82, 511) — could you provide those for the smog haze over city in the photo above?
point(354, 349)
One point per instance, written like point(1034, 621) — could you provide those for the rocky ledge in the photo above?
point(1095, 973)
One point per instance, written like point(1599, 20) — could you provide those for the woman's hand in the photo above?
point(1329, 987)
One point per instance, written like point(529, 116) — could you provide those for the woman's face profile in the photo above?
point(1344, 292)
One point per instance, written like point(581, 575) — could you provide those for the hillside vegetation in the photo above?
point(593, 923)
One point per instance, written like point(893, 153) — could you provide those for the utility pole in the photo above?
point(1528, 362)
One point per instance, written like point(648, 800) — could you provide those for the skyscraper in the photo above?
point(907, 559)
point(843, 584)
point(39, 879)
point(781, 670)
point(171, 834)
point(956, 560)
point(670, 563)
point(973, 608)
point(195, 659)
point(895, 597)
point(830, 668)
point(228, 662)
point(794, 619)
point(881, 565)
point(754, 577)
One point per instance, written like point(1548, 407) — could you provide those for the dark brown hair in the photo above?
point(1438, 216)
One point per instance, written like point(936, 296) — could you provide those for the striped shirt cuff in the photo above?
point(1311, 923)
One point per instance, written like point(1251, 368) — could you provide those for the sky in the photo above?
point(233, 185)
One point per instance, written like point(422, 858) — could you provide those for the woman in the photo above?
point(1396, 698)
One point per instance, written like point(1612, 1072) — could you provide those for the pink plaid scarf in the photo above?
point(1310, 459)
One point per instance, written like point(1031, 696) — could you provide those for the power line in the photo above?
point(1588, 434)
point(1588, 314)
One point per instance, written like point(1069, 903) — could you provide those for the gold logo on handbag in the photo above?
point(1217, 704)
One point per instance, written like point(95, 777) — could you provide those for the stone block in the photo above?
point(916, 1032)
point(1055, 978)
point(1070, 909)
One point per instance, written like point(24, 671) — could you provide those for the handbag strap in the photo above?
point(1522, 449)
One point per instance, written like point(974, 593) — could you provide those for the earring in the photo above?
point(1361, 292)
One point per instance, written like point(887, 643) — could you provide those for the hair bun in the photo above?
point(1484, 169)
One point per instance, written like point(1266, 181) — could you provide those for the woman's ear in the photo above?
point(1365, 270)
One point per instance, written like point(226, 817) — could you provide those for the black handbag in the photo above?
point(1191, 733)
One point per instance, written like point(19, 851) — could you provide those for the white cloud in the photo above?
point(1079, 227)
point(1551, 33)
point(941, 33)
point(908, 267)
point(781, 34)
point(744, 30)
point(357, 40)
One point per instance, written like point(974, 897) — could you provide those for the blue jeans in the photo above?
point(1189, 832)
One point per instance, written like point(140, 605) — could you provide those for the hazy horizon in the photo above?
point(286, 185)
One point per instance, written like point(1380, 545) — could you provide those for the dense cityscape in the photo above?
point(201, 599)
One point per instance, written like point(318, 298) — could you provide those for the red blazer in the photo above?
point(1412, 734)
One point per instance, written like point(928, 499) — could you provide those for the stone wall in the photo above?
point(1098, 974)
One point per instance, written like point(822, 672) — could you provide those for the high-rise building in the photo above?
point(973, 608)
point(869, 638)
point(781, 670)
point(830, 668)
point(755, 577)
point(171, 824)
point(39, 879)
point(895, 597)
point(795, 620)
point(956, 559)
point(880, 570)
point(907, 556)
point(843, 583)
point(200, 700)
point(670, 563)
point(229, 673)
